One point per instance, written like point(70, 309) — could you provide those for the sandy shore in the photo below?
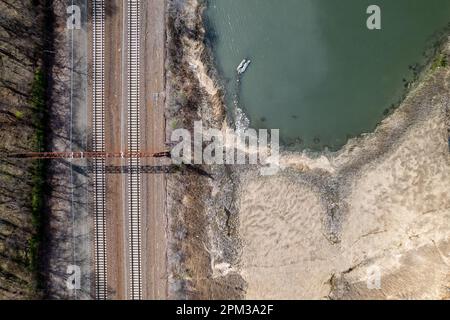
point(326, 222)
point(322, 226)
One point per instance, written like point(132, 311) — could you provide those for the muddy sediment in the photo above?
point(327, 222)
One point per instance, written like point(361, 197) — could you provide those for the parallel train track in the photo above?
point(133, 154)
point(98, 146)
point(134, 176)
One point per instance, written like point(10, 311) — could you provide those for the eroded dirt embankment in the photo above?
point(203, 243)
point(326, 223)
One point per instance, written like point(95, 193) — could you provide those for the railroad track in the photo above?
point(134, 175)
point(98, 146)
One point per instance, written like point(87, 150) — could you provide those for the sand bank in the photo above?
point(321, 228)
point(325, 221)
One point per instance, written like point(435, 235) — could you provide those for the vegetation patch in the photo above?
point(39, 107)
point(439, 62)
point(24, 86)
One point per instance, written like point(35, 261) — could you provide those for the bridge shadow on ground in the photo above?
point(147, 169)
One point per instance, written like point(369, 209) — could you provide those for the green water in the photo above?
point(318, 73)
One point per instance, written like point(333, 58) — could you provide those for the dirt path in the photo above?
point(154, 220)
point(69, 223)
point(115, 135)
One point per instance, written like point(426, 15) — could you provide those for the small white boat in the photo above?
point(242, 67)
